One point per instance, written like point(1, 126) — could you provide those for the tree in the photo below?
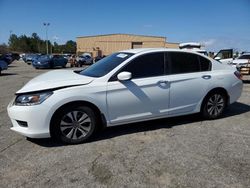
point(35, 44)
point(70, 47)
point(3, 48)
point(13, 42)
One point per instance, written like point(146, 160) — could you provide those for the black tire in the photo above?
point(214, 105)
point(0, 71)
point(74, 124)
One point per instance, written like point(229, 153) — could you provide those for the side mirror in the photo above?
point(217, 58)
point(124, 76)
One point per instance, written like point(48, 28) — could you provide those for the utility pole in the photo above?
point(46, 28)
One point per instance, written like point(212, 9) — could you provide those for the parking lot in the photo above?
point(174, 152)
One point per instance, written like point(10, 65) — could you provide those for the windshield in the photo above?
point(105, 65)
point(44, 57)
point(244, 57)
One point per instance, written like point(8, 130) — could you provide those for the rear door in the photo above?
point(146, 95)
point(56, 60)
point(189, 79)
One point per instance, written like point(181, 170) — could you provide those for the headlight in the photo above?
point(32, 99)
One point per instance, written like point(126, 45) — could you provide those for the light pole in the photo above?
point(54, 38)
point(46, 28)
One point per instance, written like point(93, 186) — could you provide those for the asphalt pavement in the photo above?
point(173, 152)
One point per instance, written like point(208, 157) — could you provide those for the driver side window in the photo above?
point(148, 65)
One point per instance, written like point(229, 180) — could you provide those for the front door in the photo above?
point(146, 95)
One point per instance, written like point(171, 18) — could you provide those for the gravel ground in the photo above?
point(175, 152)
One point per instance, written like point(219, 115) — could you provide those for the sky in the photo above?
point(217, 24)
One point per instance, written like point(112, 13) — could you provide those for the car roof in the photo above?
point(246, 53)
point(149, 50)
point(146, 50)
point(141, 50)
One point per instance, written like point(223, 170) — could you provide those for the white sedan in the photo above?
point(242, 61)
point(125, 87)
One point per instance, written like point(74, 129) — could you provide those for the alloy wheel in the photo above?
point(215, 105)
point(75, 125)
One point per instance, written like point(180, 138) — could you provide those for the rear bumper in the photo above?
point(235, 91)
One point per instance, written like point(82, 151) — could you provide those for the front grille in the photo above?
point(22, 123)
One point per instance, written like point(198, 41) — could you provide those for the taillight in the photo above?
point(238, 75)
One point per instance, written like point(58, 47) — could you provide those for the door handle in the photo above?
point(163, 82)
point(206, 77)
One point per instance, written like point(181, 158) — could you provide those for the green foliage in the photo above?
point(3, 48)
point(35, 44)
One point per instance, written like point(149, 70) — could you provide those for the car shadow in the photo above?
point(147, 126)
point(7, 74)
point(246, 81)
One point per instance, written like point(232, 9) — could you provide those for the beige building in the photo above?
point(107, 44)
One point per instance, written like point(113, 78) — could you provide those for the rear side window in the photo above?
point(205, 64)
point(183, 62)
point(148, 65)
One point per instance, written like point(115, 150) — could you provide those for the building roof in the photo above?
point(122, 34)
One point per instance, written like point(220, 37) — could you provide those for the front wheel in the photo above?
point(214, 105)
point(74, 125)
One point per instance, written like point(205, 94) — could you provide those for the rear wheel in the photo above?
point(74, 125)
point(0, 71)
point(214, 105)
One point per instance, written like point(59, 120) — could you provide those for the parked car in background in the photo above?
point(50, 61)
point(22, 56)
point(84, 60)
point(242, 62)
point(125, 87)
point(66, 56)
point(3, 66)
point(225, 56)
point(98, 58)
point(29, 58)
point(193, 46)
point(15, 56)
point(7, 58)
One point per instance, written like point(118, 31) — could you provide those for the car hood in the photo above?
point(55, 79)
point(237, 61)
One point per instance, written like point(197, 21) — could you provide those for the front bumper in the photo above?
point(37, 118)
point(44, 65)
